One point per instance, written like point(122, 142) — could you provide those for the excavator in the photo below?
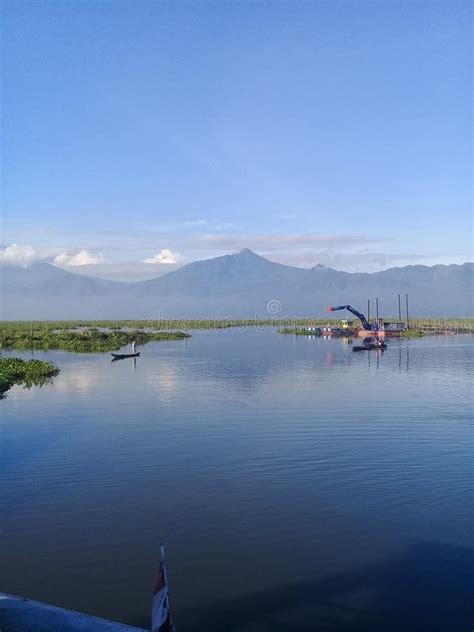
point(367, 344)
point(365, 323)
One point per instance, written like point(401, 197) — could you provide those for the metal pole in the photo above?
point(399, 310)
point(408, 319)
point(368, 310)
point(377, 311)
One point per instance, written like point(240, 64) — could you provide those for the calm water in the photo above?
point(297, 485)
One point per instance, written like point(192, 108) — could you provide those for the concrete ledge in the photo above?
point(23, 615)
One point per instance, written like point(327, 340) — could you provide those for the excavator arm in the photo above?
point(365, 324)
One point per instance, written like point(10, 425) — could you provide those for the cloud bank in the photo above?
point(117, 256)
point(24, 255)
point(274, 241)
point(18, 255)
point(164, 256)
point(80, 258)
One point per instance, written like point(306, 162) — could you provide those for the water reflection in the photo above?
point(25, 383)
point(165, 378)
point(386, 596)
point(404, 357)
point(133, 362)
point(291, 479)
point(270, 368)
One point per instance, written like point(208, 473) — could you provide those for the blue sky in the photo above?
point(312, 132)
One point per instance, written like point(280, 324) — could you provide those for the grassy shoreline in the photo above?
point(466, 324)
point(86, 340)
point(108, 335)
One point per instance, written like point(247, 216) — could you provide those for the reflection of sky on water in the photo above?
point(328, 361)
point(250, 453)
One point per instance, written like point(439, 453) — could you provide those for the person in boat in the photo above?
point(134, 347)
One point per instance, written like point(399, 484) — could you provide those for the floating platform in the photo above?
point(18, 614)
point(381, 333)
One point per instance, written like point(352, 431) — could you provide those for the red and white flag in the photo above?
point(161, 620)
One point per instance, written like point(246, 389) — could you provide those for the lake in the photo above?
point(297, 485)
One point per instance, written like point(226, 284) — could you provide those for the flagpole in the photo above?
point(165, 577)
point(163, 559)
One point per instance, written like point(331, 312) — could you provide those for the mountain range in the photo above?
point(243, 285)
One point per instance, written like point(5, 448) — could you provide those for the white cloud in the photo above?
point(349, 261)
point(126, 270)
point(17, 255)
point(80, 258)
point(164, 256)
point(273, 241)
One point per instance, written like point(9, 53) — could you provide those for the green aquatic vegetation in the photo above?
point(299, 331)
point(84, 340)
point(158, 324)
point(412, 333)
point(27, 372)
point(23, 333)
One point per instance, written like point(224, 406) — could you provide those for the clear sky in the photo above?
point(311, 132)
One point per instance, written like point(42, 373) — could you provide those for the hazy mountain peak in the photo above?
point(238, 285)
point(246, 252)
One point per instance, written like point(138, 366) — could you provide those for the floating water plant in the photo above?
point(84, 340)
point(299, 332)
point(26, 372)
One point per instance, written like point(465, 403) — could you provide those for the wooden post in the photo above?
point(408, 319)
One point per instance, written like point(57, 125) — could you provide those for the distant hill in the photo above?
point(234, 286)
point(43, 291)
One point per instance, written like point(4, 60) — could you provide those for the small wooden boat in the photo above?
point(369, 347)
point(122, 356)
